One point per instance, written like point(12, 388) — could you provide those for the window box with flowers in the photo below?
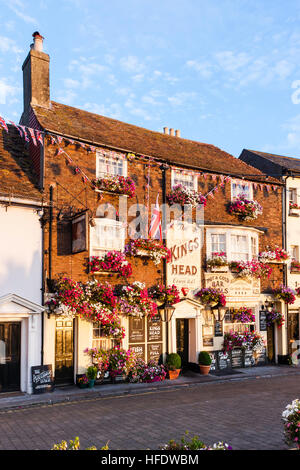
point(112, 262)
point(275, 255)
point(294, 209)
point(147, 248)
point(244, 341)
point(295, 267)
point(211, 297)
point(164, 294)
point(252, 268)
point(116, 184)
point(244, 208)
point(182, 195)
point(284, 293)
point(218, 262)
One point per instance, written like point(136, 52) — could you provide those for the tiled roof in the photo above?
point(288, 163)
point(96, 129)
point(16, 175)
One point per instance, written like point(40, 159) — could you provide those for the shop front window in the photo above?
point(100, 341)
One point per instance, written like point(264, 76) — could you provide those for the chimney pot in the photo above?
point(37, 42)
point(177, 133)
point(172, 132)
point(166, 130)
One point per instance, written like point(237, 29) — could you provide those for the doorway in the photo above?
point(10, 356)
point(293, 331)
point(64, 352)
point(182, 341)
point(271, 344)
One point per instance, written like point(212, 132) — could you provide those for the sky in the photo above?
point(224, 72)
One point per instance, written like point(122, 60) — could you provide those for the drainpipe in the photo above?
point(164, 200)
point(50, 233)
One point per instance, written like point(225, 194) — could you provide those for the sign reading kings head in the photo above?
point(184, 267)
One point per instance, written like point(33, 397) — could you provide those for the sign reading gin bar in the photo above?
point(184, 267)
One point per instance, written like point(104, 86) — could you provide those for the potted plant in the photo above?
point(82, 381)
point(174, 365)
point(204, 362)
point(91, 374)
point(211, 297)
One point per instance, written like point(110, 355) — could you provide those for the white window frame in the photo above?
point(294, 198)
point(177, 173)
point(294, 250)
point(101, 174)
point(228, 231)
point(101, 341)
point(240, 183)
point(102, 249)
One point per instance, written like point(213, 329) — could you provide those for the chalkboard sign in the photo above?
point(214, 364)
point(237, 358)
point(249, 360)
point(136, 330)
point(154, 330)
point(263, 320)
point(154, 352)
point(260, 357)
point(218, 328)
point(42, 379)
point(224, 360)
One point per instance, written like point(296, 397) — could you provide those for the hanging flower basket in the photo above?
point(211, 297)
point(185, 196)
point(116, 184)
point(164, 295)
point(147, 248)
point(134, 300)
point(284, 293)
point(274, 317)
point(112, 262)
point(244, 208)
point(243, 315)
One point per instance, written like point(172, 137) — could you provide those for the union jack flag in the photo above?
point(155, 230)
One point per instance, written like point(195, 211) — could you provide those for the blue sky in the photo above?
point(225, 72)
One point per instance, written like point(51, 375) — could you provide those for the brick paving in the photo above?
point(246, 414)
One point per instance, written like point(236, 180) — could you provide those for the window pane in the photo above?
point(218, 243)
point(293, 195)
point(239, 248)
point(186, 180)
point(110, 166)
point(239, 189)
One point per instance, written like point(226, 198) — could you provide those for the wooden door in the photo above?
point(10, 356)
point(64, 350)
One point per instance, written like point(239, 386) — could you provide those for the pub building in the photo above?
point(85, 219)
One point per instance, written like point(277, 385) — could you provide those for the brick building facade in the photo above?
point(80, 147)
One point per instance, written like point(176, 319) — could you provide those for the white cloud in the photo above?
point(7, 92)
point(19, 8)
point(181, 98)
point(132, 64)
point(9, 45)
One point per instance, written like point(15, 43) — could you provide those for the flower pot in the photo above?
point(204, 370)
point(82, 385)
point(91, 383)
point(174, 374)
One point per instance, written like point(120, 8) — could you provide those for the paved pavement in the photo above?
point(244, 410)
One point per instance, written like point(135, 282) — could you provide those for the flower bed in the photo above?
point(120, 361)
point(185, 196)
point(210, 296)
point(164, 295)
point(116, 184)
point(152, 249)
point(112, 262)
point(291, 420)
point(244, 208)
point(273, 255)
point(251, 269)
point(274, 317)
point(243, 315)
point(284, 293)
point(134, 300)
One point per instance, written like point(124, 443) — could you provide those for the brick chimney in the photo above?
point(36, 86)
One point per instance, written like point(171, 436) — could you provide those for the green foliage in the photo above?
point(204, 358)
point(75, 445)
point(173, 361)
point(92, 372)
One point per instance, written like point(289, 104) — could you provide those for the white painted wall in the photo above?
point(20, 253)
